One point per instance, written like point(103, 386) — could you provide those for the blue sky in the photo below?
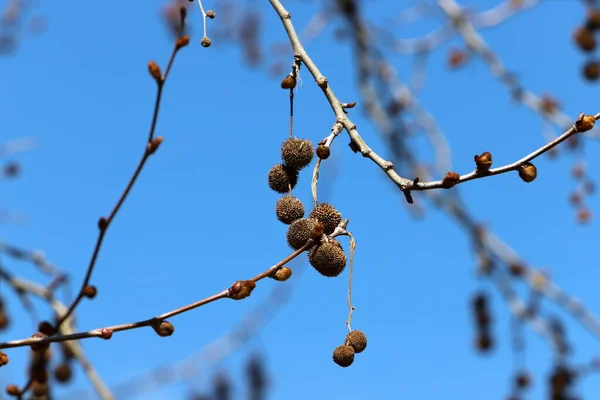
point(202, 216)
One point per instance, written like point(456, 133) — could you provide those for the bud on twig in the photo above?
point(451, 179)
point(3, 359)
point(211, 14)
point(483, 162)
point(154, 70)
point(102, 223)
point(164, 329)
point(39, 346)
point(323, 152)
point(89, 291)
point(585, 122)
point(205, 41)
point(528, 172)
point(282, 274)
point(241, 289)
point(288, 82)
point(182, 42)
point(153, 145)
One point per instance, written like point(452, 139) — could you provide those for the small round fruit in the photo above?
point(358, 341)
point(343, 355)
point(297, 153)
point(328, 215)
point(300, 232)
point(328, 259)
point(281, 178)
point(288, 209)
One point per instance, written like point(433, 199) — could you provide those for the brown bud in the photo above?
point(154, 144)
point(182, 42)
point(528, 172)
point(89, 291)
point(483, 162)
point(106, 333)
point(317, 231)
point(241, 289)
point(205, 41)
point(155, 71)
point(63, 373)
point(323, 152)
point(46, 328)
point(39, 346)
point(516, 269)
point(322, 82)
point(3, 359)
point(451, 179)
point(211, 14)
point(282, 274)
point(484, 342)
point(591, 70)
point(164, 329)
point(13, 390)
point(585, 39)
point(102, 223)
point(456, 58)
point(288, 82)
point(585, 122)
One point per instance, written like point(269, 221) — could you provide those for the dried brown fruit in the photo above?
point(343, 355)
point(328, 215)
point(288, 209)
point(328, 259)
point(358, 341)
point(585, 39)
point(299, 232)
point(297, 153)
point(282, 178)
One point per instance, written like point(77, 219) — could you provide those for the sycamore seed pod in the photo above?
point(528, 172)
point(343, 355)
point(451, 179)
point(300, 232)
point(328, 259)
point(205, 41)
point(591, 70)
point(297, 153)
point(323, 152)
point(585, 39)
point(282, 178)
point(63, 373)
point(483, 162)
point(288, 209)
point(39, 346)
point(328, 215)
point(357, 340)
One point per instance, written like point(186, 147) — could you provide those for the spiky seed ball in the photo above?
point(328, 215)
point(343, 355)
point(299, 232)
point(282, 177)
point(328, 259)
point(297, 153)
point(358, 341)
point(289, 209)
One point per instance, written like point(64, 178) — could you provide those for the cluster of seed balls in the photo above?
point(326, 256)
point(356, 342)
point(586, 40)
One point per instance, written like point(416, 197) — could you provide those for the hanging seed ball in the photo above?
point(63, 373)
point(289, 209)
point(328, 215)
point(528, 172)
point(328, 259)
point(281, 178)
point(299, 232)
point(343, 355)
point(591, 70)
point(297, 153)
point(585, 39)
point(358, 341)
